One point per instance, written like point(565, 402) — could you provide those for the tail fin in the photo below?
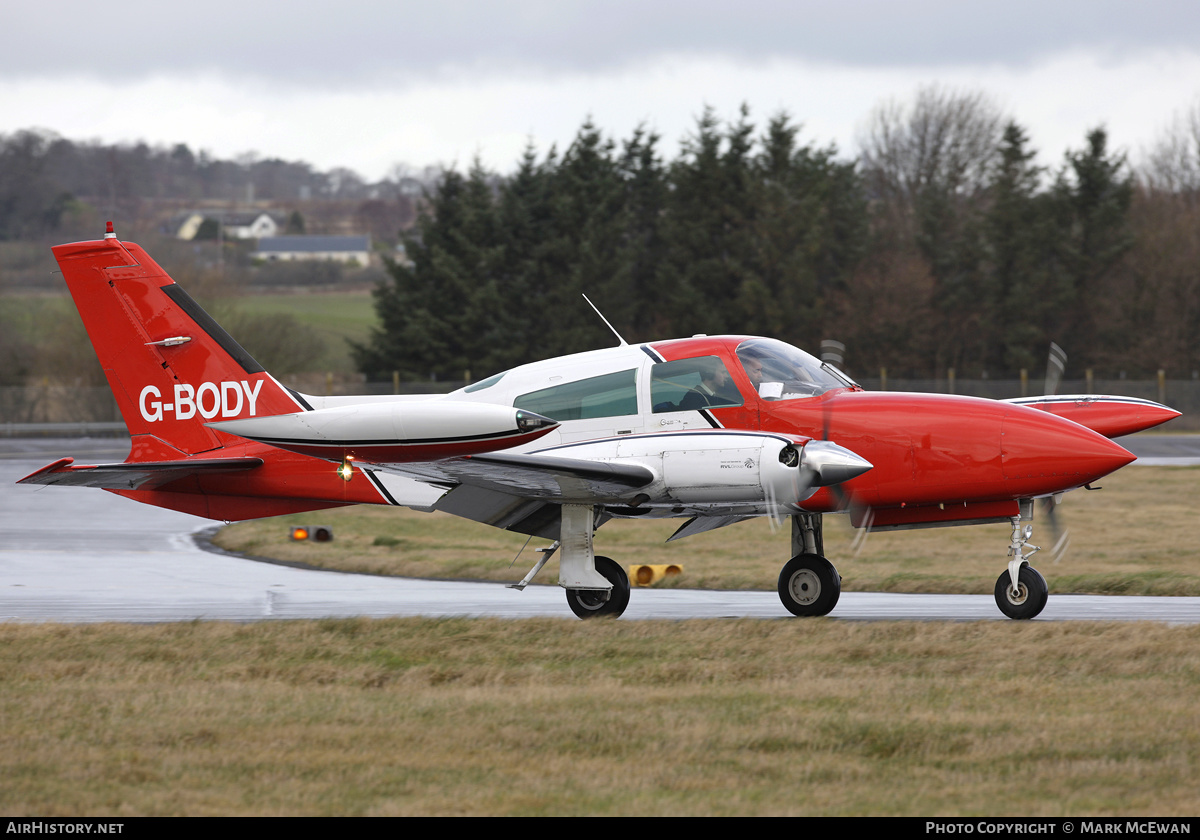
point(170, 365)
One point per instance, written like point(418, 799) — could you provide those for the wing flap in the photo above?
point(133, 476)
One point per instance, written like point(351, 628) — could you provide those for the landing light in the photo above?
point(527, 421)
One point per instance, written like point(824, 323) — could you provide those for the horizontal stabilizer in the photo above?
point(133, 476)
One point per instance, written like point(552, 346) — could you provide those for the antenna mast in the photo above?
point(624, 343)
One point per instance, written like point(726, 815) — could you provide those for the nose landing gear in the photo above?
point(1021, 591)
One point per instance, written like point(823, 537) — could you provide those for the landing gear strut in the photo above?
point(1021, 591)
point(596, 586)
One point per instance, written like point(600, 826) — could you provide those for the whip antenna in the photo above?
point(624, 343)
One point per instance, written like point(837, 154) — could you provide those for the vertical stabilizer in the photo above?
point(171, 367)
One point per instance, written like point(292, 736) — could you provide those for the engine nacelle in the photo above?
point(760, 469)
point(725, 467)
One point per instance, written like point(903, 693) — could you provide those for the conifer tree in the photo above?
point(1022, 292)
point(1093, 195)
point(707, 229)
point(438, 315)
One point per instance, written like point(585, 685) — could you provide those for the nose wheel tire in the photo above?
point(1030, 597)
point(809, 585)
point(593, 603)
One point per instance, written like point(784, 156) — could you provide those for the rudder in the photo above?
point(170, 366)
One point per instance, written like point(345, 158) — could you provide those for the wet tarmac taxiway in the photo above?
point(79, 555)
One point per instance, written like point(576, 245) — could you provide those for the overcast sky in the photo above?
point(368, 84)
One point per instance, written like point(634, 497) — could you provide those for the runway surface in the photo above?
point(81, 555)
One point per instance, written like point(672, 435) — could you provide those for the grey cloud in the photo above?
point(332, 45)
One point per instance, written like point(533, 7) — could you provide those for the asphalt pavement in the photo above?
point(81, 555)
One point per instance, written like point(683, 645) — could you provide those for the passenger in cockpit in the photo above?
point(713, 379)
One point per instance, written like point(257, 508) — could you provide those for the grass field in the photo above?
point(1140, 534)
point(335, 318)
point(50, 324)
point(560, 717)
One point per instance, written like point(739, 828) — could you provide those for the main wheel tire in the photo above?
point(1030, 597)
point(590, 603)
point(809, 585)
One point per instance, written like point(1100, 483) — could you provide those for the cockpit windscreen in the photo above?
point(780, 371)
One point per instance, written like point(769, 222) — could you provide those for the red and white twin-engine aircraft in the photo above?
point(712, 430)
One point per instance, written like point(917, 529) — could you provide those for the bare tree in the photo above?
point(1173, 163)
point(926, 166)
point(944, 141)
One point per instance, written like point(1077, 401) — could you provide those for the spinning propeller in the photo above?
point(860, 512)
point(1055, 367)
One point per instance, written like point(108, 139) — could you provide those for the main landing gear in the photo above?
point(597, 587)
point(809, 584)
point(596, 603)
point(1021, 591)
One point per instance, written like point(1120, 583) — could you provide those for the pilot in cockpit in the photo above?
point(754, 369)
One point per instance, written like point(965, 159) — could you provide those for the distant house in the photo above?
point(341, 248)
point(249, 225)
point(236, 225)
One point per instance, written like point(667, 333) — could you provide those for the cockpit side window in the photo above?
point(692, 384)
point(611, 395)
point(780, 371)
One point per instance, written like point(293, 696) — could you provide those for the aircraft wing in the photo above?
point(717, 476)
point(522, 493)
point(133, 476)
point(531, 476)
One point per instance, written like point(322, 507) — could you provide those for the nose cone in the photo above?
point(832, 464)
point(1041, 453)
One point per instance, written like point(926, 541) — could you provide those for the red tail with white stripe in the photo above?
point(171, 367)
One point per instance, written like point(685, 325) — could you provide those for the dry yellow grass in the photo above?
point(1140, 534)
point(549, 716)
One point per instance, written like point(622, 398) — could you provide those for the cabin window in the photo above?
point(484, 383)
point(692, 384)
point(611, 395)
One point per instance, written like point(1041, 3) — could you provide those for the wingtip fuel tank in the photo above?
point(395, 432)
